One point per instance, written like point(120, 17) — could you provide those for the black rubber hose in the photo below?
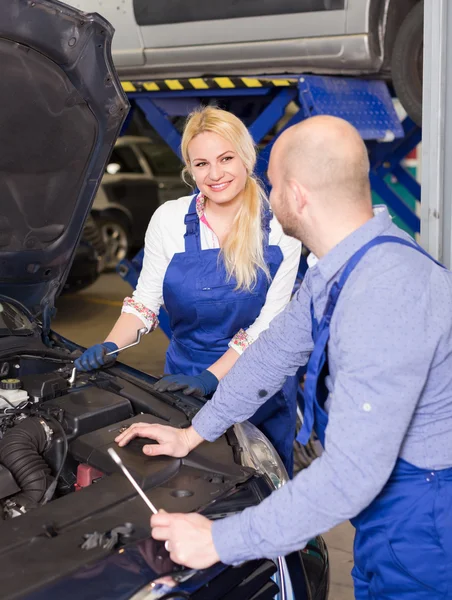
point(20, 452)
point(51, 489)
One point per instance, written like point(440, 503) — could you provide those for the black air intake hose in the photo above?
point(20, 452)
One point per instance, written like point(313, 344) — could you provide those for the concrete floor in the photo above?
point(88, 316)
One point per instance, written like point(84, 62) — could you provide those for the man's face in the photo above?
point(280, 200)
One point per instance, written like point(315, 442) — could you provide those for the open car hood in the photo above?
point(62, 108)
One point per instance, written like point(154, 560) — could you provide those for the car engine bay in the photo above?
point(55, 432)
point(63, 500)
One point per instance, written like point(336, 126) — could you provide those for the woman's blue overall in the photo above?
point(206, 311)
point(403, 540)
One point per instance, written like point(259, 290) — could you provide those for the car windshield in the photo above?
point(13, 321)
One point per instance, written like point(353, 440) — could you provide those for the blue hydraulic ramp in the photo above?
point(262, 103)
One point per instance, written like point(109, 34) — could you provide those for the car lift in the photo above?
point(263, 102)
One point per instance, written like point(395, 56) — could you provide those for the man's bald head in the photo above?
point(319, 171)
point(326, 155)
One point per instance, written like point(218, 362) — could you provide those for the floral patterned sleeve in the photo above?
point(138, 309)
point(241, 341)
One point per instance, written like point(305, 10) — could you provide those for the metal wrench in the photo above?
point(114, 455)
point(140, 334)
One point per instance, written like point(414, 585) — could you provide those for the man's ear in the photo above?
point(298, 195)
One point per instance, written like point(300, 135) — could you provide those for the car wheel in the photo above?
point(306, 455)
point(407, 62)
point(116, 238)
point(92, 234)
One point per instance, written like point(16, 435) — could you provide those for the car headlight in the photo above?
point(259, 454)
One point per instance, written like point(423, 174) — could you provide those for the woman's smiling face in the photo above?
point(217, 168)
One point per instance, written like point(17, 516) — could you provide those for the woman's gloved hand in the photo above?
point(203, 384)
point(95, 357)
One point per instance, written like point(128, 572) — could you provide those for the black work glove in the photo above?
point(203, 384)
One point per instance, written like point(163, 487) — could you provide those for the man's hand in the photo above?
point(189, 538)
point(171, 441)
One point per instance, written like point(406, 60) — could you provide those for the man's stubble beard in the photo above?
point(288, 221)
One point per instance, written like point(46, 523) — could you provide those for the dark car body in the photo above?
point(141, 174)
point(72, 526)
point(89, 259)
point(60, 549)
point(85, 268)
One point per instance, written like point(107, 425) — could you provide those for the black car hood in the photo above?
point(62, 108)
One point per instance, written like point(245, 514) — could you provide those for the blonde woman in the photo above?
point(222, 267)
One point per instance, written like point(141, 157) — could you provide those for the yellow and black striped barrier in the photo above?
point(205, 83)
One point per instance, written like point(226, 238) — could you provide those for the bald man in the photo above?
point(373, 321)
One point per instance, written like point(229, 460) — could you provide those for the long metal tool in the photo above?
point(73, 376)
point(140, 334)
point(127, 473)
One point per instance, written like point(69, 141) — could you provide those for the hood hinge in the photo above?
point(48, 314)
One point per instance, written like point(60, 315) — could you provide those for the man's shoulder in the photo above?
point(391, 276)
point(397, 259)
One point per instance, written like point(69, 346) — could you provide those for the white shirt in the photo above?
point(165, 237)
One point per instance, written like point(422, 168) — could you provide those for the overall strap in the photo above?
point(191, 236)
point(354, 260)
point(314, 322)
point(315, 392)
point(267, 216)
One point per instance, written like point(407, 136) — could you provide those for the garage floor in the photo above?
point(87, 318)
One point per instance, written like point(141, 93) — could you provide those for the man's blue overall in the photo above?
point(403, 541)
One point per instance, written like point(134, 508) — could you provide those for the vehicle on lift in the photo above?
point(174, 38)
point(141, 174)
point(72, 526)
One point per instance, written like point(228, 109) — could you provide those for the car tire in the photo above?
point(91, 233)
point(407, 62)
point(306, 455)
point(117, 239)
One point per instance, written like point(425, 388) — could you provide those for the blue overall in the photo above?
point(206, 311)
point(403, 540)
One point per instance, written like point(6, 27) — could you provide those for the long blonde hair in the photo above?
point(242, 251)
